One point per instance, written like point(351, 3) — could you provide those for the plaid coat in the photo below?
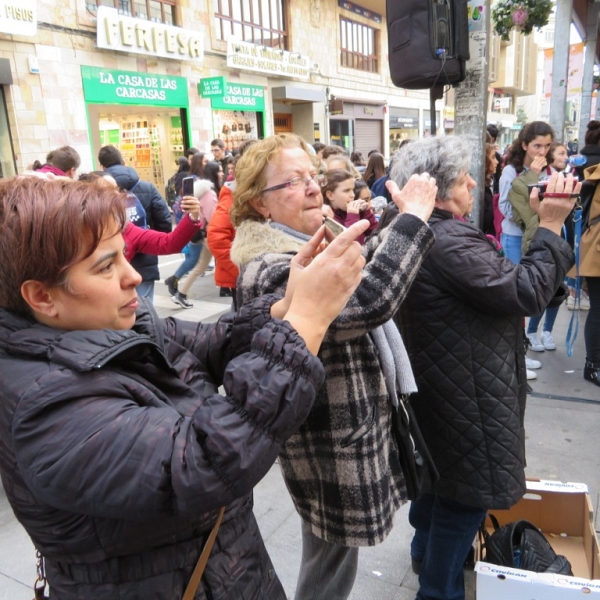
point(342, 467)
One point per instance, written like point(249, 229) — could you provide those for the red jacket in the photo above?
point(220, 237)
point(158, 242)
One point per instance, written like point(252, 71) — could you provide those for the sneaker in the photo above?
point(531, 375)
point(182, 300)
point(584, 302)
point(548, 341)
point(532, 364)
point(535, 344)
point(171, 283)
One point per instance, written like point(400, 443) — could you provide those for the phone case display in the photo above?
point(141, 149)
point(235, 126)
point(176, 136)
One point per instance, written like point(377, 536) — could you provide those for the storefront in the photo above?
point(238, 110)
point(427, 122)
point(144, 115)
point(8, 167)
point(356, 126)
point(404, 125)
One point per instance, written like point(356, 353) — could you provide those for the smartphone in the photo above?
point(334, 226)
point(188, 186)
point(541, 186)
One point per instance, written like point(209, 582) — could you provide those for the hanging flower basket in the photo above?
point(521, 15)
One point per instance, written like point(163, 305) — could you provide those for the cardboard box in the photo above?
point(564, 513)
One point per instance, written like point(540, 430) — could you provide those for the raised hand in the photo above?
point(417, 197)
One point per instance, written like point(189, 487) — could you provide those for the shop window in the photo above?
point(359, 46)
point(160, 11)
point(282, 123)
point(256, 21)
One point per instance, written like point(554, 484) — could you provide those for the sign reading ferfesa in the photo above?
point(18, 17)
point(126, 34)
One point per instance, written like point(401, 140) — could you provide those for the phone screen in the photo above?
point(335, 227)
point(188, 186)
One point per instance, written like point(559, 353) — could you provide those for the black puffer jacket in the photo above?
point(158, 216)
point(462, 323)
point(117, 450)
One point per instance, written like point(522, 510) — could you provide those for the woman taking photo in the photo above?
point(342, 467)
point(462, 323)
point(118, 450)
point(526, 161)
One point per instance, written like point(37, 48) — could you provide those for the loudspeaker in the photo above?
point(428, 42)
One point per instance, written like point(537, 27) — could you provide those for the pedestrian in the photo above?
point(62, 162)
point(342, 466)
point(375, 169)
point(219, 152)
point(118, 453)
point(462, 323)
point(158, 216)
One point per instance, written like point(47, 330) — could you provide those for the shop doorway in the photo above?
point(8, 167)
point(341, 133)
point(150, 139)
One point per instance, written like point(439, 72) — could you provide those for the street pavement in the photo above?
point(562, 420)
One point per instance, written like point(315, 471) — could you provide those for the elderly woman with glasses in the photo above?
point(341, 467)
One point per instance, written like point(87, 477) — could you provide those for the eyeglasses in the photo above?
point(296, 182)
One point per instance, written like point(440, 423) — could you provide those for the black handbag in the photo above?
point(420, 473)
point(522, 545)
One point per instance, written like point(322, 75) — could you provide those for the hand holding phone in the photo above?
point(333, 226)
point(188, 186)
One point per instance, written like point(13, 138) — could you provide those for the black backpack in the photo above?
point(428, 42)
point(522, 545)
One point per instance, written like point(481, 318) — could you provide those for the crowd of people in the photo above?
point(355, 285)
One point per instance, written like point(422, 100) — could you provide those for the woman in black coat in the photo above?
point(462, 324)
point(118, 450)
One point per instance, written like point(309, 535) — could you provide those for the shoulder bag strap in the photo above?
point(192, 586)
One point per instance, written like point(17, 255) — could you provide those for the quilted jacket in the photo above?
point(117, 450)
point(342, 467)
point(462, 323)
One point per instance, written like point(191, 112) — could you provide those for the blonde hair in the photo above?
point(251, 174)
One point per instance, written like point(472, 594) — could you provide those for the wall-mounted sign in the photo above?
point(211, 86)
point(238, 96)
point(336, 106)
point(251, 57)
point(18, 17)
point(126, 34)
point(105, 86)
point(500, 103)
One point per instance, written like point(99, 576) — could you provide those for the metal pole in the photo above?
point(560, 68)
point(471, 101)
point(591, 37)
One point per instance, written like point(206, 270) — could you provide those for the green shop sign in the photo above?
point(211, 86)
point(238, 96)
point(105, 86)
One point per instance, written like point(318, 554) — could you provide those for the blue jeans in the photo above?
point(511, 245)
point(534, 322)
point(146, 290)
point(444, 533)
point(191, 258)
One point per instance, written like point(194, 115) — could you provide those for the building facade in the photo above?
point(156, 76)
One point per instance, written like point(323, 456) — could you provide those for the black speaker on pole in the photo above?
point(428, 42)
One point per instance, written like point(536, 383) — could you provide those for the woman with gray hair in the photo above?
point(462, 322)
